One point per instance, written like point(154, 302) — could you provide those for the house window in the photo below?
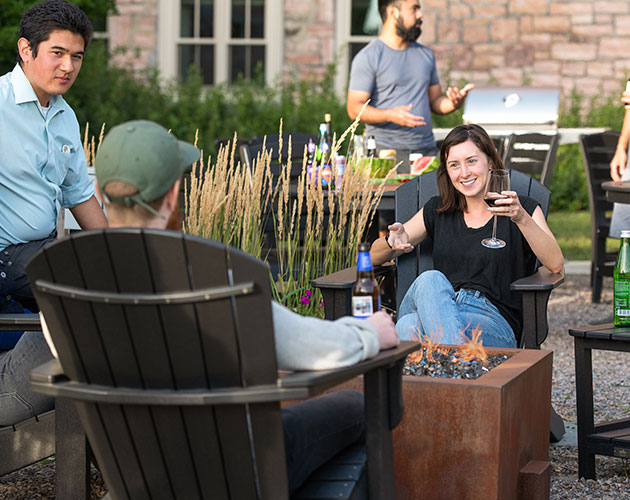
point(226, 39)
point(358, 23)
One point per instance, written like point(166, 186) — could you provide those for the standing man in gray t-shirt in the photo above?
point(399, 77)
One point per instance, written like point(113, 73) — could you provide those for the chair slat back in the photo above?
point(410, 265)
point(160, 451)
point(533, 154)
point(597, 152)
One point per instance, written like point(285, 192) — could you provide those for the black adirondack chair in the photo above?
point(166, 343)
point(409, 198)
point(55, 432)
point(597, 152)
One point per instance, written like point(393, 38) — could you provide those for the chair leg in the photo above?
point(72, 462)
point(556, 427)
point(597, 289)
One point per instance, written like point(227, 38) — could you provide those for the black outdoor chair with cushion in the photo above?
point(597, 152)
point(166, 343)
point(56, 432)
point(533, 154)
point(409, 198)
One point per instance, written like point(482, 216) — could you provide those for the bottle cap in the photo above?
point(322, 127)
point(625, 233)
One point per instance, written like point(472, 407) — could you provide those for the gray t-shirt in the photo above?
point(397, 78)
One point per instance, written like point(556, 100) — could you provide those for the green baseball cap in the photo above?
point(145, 155)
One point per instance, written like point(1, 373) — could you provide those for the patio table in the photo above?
point(617, 191)
point(608, 438)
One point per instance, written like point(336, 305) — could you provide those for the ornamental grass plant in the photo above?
point(316, 229)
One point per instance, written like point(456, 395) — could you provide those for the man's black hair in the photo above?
point(50, 15)
point(382, 7)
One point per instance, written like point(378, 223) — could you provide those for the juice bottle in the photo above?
point(621, 280)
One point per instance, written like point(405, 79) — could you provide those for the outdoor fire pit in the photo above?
point(486, 438)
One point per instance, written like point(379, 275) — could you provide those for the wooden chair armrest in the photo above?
point(49, 379)
point(336, 289)
point(49, 372)
point(542, 279)
point(314, 382)
point(535, 290)
point(24, 321)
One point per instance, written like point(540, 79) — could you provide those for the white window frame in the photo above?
point(343, 17)
point(169, 39)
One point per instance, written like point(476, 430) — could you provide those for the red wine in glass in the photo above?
point(491, 199)
point(499, 181)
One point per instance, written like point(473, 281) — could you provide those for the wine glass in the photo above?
point(499, 181)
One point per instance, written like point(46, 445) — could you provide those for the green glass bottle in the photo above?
point(621, 277)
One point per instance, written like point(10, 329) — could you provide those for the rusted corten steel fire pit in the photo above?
point(477, 439)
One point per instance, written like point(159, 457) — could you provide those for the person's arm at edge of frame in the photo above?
point(452, 99)
point(618, 163)
point(89, 214)
point(308, 343)
point(399, 115)
point(402, 239)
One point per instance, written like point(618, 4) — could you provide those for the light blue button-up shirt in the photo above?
point(42, 163)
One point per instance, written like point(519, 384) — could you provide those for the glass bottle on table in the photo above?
point(621, 283)
point(324, 164)
point(366, 296)
point(371, 147)
point(311, 172)
point(329, 132)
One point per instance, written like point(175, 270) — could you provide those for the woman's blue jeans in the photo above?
point(432, 308)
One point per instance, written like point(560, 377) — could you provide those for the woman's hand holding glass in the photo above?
point(508, 206)
point(398, 239)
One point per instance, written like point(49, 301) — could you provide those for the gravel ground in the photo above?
point(569, 306)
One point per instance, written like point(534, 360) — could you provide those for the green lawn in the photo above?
point(573, 232)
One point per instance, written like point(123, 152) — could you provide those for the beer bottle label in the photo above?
point(364, 262)
point(362, 306)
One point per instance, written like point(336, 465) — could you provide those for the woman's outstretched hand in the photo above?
point(398, 238)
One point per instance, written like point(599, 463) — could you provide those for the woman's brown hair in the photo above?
point(451, 198)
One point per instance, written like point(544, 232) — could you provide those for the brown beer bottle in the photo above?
point(366, 296)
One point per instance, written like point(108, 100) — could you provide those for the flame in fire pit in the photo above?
point(472, 349)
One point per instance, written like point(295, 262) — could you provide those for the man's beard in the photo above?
point(408, 34)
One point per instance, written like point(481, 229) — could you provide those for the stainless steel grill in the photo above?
point(513, 109)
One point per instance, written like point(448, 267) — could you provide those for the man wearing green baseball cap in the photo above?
point(138, 169)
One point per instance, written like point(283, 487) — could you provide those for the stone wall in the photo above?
point(564, 43)
point(309, 36)
point(134, 29)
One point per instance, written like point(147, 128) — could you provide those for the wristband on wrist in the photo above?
point(387, 239)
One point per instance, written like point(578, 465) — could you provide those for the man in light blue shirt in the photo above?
point(42, 169)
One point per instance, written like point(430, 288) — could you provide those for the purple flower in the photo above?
point(308, 293)
point(305, 300)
